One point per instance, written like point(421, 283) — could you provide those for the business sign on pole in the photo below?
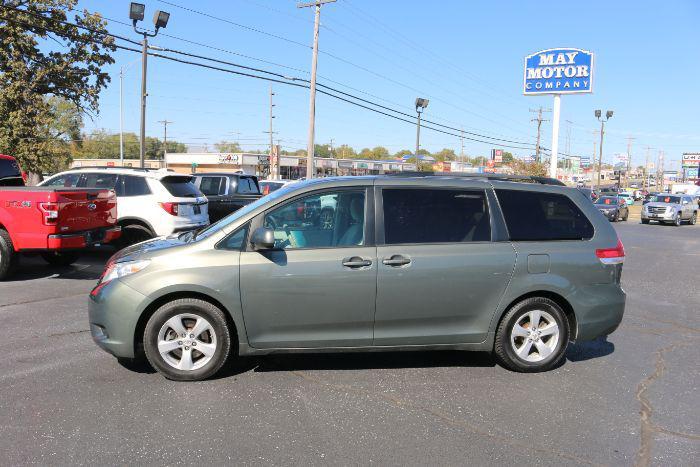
point(558, 71)
point(497, 155)
point(691, 172)
point(691, 159)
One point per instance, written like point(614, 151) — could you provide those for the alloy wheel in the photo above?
point(187, 341)
point(534, 336)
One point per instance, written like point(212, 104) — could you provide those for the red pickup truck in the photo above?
point(55, 222)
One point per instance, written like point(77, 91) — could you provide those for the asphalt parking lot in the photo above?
point(633, 398)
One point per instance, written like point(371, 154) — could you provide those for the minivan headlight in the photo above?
point(118, 270)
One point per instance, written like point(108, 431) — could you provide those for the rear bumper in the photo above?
point(598, 309)
point(83, 239)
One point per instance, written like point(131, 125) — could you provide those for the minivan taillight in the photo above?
point(170, 208)
point(50, 211)
point(612, 255)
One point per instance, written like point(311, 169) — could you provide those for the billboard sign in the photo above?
point(497, 155)
point(691, 173)
point(558, 71)
point(691, 159)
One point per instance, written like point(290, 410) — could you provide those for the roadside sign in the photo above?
point(691, 159)
point(558, 71)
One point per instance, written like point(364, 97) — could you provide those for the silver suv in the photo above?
point(400, 262)
point(670, 209)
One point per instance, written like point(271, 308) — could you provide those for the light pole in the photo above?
point(310, 169)
point(160, 20)
point(602, 120)
point(421, 104)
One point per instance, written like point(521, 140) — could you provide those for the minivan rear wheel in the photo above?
point(187, 340)
point(532, 336)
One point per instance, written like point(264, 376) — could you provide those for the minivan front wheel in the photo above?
point(187, 340)
point(532, 336)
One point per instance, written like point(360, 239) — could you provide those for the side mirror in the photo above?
point(263, 239)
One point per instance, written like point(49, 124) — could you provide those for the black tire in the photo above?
point(503, 348)
point(133, 233)
point(677, 221)
point(201, 309)
point(627, 215)
point(60, 258)
point(8, 256)
point(645, 221)
point(693, 218)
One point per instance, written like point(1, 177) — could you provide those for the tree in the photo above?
point(401, 153)
point(379, 153)
point(322, 150)
point(445, 155)
point(507, 157)
point(345, 152)
point(30, 75)
point(226, 146)
point(534, 168)
point(103, 145)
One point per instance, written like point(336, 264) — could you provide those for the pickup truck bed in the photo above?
point(54, 221)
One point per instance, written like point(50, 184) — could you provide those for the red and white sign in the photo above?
point(691, 157)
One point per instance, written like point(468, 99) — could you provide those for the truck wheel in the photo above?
point(694, 218)
point(677, 221)
point(532, 336)
point(60, 258)
point(187, 340)
point(133, 233)
point(8, 256)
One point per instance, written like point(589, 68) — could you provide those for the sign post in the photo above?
point(558, 71)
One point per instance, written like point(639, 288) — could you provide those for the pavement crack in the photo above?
point(401, 403)
point(68, 333)
point(26, 302)
point(646, 410)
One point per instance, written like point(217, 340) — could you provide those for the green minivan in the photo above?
point(515, 266)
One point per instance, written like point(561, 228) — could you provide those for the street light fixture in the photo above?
point(160, 20)
point(421, 104)
point(608, 116)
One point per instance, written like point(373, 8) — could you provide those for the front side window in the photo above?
point(324, 220)
point(539, 216)
point(211, 186)
point(435, 216)
point(66, 181)
point(235, 241)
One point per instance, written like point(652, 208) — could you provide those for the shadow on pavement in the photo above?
point(589, 350)
point(88, 267)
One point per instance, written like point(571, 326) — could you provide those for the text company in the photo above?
point(558, 71)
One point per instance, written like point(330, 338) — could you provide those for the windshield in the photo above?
point(607, 200)
point(667, 199)
point(623, 195)
point(233, 217)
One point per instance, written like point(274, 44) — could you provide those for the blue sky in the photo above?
point(465, 56)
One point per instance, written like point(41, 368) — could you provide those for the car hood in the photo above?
point(147, 249)
point(656, 204)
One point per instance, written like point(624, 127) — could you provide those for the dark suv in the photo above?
point(401, 262)
point(227, 192)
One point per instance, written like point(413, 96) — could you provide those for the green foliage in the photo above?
point(322, 150)
point(34, 126)
point(445, 155)
point(528, 168)
point(345, 152)
point(102, 145)
point(224, 146)
point(507, 157)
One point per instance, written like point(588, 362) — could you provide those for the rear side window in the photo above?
point(535, 216)
point(248, 185)
point(180, 187)
point(212, 186)
point(133, 186)
point(9, 168)
point(435, 216)
point(98, 180)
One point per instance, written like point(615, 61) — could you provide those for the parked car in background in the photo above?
point(626, 197)
point(227, 192)
point(55, 222)
point(522, 271)
point(150, 203)
point(613, 208)
point(269, 186)
point(670, 209)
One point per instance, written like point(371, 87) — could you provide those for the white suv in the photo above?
point(150, 203)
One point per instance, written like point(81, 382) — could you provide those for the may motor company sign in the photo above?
point(558, 71)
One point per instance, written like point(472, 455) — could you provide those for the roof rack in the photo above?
point(485, 176)
point(103, 167)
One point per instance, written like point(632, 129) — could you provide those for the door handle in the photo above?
point(396, 260)
point(356, 262)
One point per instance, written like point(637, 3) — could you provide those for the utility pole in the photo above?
point(646, 169)
point(165, 135)
point(602, 119)
point(629, 158)
point(660, 171)
point(461, 152)
point(539, 121)
point(593, 159)
point(310, 170)
point(331, 151)
point(273, 164)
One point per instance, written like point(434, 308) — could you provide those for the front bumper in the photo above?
point(609, 214)
point(113, 311)
point(658, 216)
point(83, 239)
